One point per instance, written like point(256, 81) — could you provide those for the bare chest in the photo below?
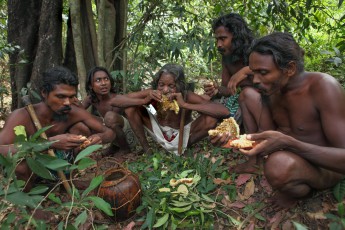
point(296, 115)
point(104, 107)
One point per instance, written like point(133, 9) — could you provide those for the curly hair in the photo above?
point(176, 71)
point(242, 35)
point(88, 83)
point(55, 76)
point(283, 48)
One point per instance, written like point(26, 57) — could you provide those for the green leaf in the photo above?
point(54, 198)
point(185, 173)
point(39, 132)
point(38, 190)
point(57, 164)
point(339, 190)
point(162, 220)
point(95, 182)
point(101, 205)
point(21, 198)
point(5, 161)
point(80, 219)
point(180, 203)
point(85, 163)
point(150, 218)
point(87, 152)
point(340, 3)
point(38, 168)
point(180, 210)
point(308, 4)
point(207, 198)
point(299, 226)
point(20, 131)
point(341, 210)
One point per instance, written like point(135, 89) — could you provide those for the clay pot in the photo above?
point(121, 189)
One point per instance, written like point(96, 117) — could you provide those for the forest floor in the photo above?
point(250, 206)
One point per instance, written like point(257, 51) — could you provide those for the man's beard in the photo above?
point(230, 58)
point(60, 115)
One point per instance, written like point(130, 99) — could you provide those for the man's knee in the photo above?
point(248, 94)
point(279, 167)
point(111, 119)
point(80, 129)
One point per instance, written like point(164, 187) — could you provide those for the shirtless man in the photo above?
point(58, 89)
point(164, 128)
point(307, 150)
point(101, 89)
point(233, 37)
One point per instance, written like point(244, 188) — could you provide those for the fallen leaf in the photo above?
point(129, 226)
point(226, 201)
point(317, 215)
point(237, 204)
point(276, 219)
point(218, 181)
point(248, 190)
point(251, 226)
point(242, 179)
point(265, 185)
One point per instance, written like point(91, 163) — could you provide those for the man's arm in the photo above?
point(199, 104)
point(97, 128)
point(142, 97)
point(271, 141)
point(7, 135)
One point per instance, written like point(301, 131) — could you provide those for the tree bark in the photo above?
point(23, 26)
point(50, 39)
point(78, 44)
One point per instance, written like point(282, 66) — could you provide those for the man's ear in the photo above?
point(291, 68)
point(44, 95)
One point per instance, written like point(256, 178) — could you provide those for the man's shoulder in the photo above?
point(320, 79)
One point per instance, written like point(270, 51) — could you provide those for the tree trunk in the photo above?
point(78, 44)
point(49, 44)
point(23, 26)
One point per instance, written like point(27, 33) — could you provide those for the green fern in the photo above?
point(339, 191)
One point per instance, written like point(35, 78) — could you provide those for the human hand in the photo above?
point(178, 97)
point(155, 95)
point(210, 89)
point(267, 142)
point(67, 141)
point(237, 78)
point(91, 140)
point(220, 139)
point(77, 102)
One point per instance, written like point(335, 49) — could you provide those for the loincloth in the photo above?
point(168, 137)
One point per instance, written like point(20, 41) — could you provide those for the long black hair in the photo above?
point(242, 35)
point(88, 83)
point(283, 48)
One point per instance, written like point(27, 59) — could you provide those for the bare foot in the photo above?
point(281, 201)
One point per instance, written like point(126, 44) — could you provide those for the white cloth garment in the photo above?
point(164, 134)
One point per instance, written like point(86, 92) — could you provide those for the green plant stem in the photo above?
point(39, 204)
point(250, 216)
point(70, 210)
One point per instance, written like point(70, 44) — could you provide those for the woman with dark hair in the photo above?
point(101, 89)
